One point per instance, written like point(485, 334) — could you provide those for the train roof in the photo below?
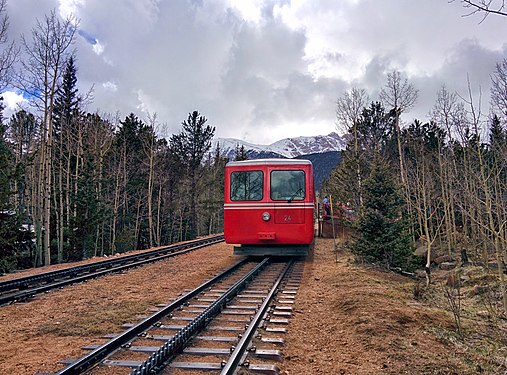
point(272, 161)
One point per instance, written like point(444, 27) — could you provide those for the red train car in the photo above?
point(269, 206)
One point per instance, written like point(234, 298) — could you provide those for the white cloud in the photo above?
point(250, 10)
point(110, 86)
point(70, 8)
point(265, 69)
point(13, 100)
point(98, 48)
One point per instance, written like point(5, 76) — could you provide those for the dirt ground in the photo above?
point(353, 319)
point(349, 319)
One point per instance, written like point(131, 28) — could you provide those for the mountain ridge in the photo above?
point(322, 150)
point(287, 147)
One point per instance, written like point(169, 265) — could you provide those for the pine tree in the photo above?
point(68, 158)
point(13, 238)
point(132, 181)
point(67, 99)
point(190, 147)
point(382, 231)
point(240, 153)
point(374, 136)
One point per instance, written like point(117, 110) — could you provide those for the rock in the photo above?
point(464, 279)
point(480, 289)
point(420, 251)
point(447, 265)
point(443, 259)
point(483, 314)
point(420, 274)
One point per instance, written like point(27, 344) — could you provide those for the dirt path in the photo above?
point(353, 320)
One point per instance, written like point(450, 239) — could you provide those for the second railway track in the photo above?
point(23, 288)
point(236, 319)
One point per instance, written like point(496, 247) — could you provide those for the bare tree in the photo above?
point(349, 108)
point(149, 143)
point(425, 192)
point(493, 225)
point(47, 54)
point(400, 96)
point(448, 112)
point(348, 112)
point(9, 52)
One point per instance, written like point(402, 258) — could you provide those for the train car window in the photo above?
point(247, 185)
point(288, 185)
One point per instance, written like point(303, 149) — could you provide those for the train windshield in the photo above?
point(287, 185)
point(247, 186)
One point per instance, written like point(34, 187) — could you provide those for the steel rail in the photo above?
point(96, 269)
point(94, 357)
point(159, 359)
point(23, 282)
point(235, 359)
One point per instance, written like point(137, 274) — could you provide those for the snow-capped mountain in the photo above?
point(288, 147)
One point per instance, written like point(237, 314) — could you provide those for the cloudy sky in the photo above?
point(263, 70)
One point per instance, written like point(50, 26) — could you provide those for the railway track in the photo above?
point(234, 320)
point(23, 288)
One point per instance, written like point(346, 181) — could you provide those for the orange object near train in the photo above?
point(269, 206)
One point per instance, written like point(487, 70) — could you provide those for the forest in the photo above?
point(439, 185)
point(75, 184)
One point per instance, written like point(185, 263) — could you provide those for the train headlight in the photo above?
point(266, 216)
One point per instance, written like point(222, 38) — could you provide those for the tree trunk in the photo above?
point(151, 158)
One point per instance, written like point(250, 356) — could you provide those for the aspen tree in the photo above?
point(46, 55)
point(149, 149)
point(349, 108)
point(493, 224)
point(423, 143)
point(9, 52)
point(447, 112)
point(399, 95)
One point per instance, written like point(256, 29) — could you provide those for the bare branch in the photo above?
point(398, 94)
point(10, 52)
point(484, 7)
point(349, 108)
point(499, 89)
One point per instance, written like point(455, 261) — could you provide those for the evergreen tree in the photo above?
point(190, 147)
point(382, 234)
point(7, 249)
point(132, 181)
point(68, 160)
point(376, 131)
point(240, 153)
point(67, 99)
point(13, 238)
point(374, 137)
point(497, 135)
